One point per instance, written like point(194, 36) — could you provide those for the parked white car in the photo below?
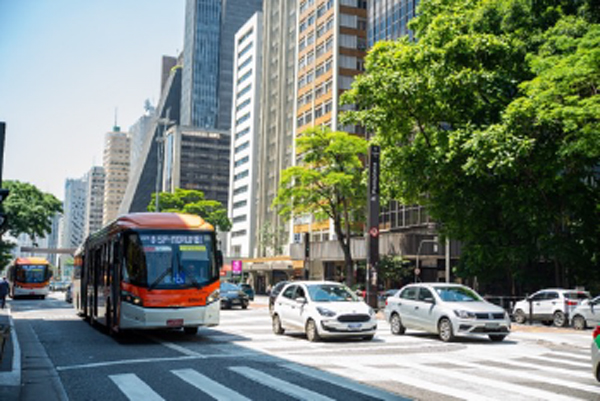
point(549, 306)
point(447, 310)
point(322, 309)
point(586, 314)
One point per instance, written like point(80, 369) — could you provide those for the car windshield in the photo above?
point(457, 294)
point(331, 293)
point(226, 287)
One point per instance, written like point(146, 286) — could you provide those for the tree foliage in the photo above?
point(327, 183)
point(29, 211)
point(491, 120)
point(192, 202)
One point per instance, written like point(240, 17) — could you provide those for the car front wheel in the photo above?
point(559, 319)
point(277, 329)
point(579, 322)
point(520, 316)
point(445, 330)
point(396, 325)
point(311, 331)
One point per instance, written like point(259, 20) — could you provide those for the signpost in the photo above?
point(373, 225)
point(236, 267)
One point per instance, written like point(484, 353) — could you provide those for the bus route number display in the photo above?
point(171, 239)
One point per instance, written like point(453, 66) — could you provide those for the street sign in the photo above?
point(417, 271)
point(374, 231)
point(236, 267)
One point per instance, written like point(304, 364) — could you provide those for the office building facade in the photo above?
point(244, 137)
point(388, 19)
point(94, 208)
point(74, 205)
point(116, 169)
point(210, 27)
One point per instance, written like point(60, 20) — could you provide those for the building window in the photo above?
point(241, 175)
point(244, 91)
point(240, 190)
point(243, 160)
point(245, 50)
point(243, 146)
point(240, 204)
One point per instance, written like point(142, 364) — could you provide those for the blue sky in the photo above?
point(65, 65)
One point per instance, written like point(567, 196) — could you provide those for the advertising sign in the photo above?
point(236, 267)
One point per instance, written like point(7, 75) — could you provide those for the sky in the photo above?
point(66, 66)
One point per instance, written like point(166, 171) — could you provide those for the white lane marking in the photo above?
point(501, 385)
point(556, 371)
point(377, 374)
point(134, 388)
point(279, 385)
point(175, 347)
point(343, 382)
point(208, 386)
point(523, 375)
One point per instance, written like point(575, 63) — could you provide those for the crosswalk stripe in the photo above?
point(278, 384)
point(583, 358)
point(134, 388)
point(394, 376)
point(208, 386)
point(524, 375)
point(544, 359)
point(342, 382)
point(552, 369)
point(502, 385)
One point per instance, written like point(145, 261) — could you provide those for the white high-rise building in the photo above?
point(116, 168)
point(73, 222)
point(95, 200)
point(244, 136)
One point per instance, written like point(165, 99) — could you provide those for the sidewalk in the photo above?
point(10, 365)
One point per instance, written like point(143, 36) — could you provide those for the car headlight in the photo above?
point(213, 297)
point(463, 314)
point(325, 312)
point(132, 299)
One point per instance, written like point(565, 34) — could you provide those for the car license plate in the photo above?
point(354, 326)
point(174, 322)
point(492, 325)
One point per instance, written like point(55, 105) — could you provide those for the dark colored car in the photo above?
point(247, 288)
point(274, 292)
point(233, 295)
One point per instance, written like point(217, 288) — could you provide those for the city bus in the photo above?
point(29, 277)
point(149, 271)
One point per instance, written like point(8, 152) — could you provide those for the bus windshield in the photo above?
point(170, 260)
point(31, 273)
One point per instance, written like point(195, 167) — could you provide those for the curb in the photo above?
point(10, 381)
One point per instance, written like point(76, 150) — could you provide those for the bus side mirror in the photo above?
point(219, 258)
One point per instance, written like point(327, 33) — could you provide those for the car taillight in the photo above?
point(571, 303)
point(596, 332)
point(386, 302)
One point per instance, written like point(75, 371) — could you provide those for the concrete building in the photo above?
point(197, 159)
point(73, 222)
point(116, 169)
point(245, 137)
point(138, 134)
point(210, 26)
point(276, 123)
point(94, 208)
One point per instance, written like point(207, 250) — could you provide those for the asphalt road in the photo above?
point(66, 359)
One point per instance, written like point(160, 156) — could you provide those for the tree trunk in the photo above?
point(344, 242)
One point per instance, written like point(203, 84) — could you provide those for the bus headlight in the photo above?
point(132, 299)
point(213, 297)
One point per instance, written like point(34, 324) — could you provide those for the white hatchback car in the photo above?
point(586, 314)
point(323, 309)
point(447, 310)
point(551, 305)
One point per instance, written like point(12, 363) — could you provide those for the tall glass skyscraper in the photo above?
point(210, 26)
point(388, 19)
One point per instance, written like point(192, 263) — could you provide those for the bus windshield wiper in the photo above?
point(160, 278)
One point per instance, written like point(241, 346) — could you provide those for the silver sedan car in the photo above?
point(586, 314)
point(447, 310)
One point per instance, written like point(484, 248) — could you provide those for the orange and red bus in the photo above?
point(149, 271)
point(29, 277)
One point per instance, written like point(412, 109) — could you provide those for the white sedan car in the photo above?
point(447, 310)
point(322, 309)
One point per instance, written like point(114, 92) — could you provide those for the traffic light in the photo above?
point(3, 218)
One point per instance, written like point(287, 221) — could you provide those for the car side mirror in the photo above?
point(301, 300)
point(219, 259)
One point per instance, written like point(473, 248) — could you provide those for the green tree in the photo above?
point(192, 202)
point(393, 270)
point(29, 211)
point(327, 184)
point(491, 120)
